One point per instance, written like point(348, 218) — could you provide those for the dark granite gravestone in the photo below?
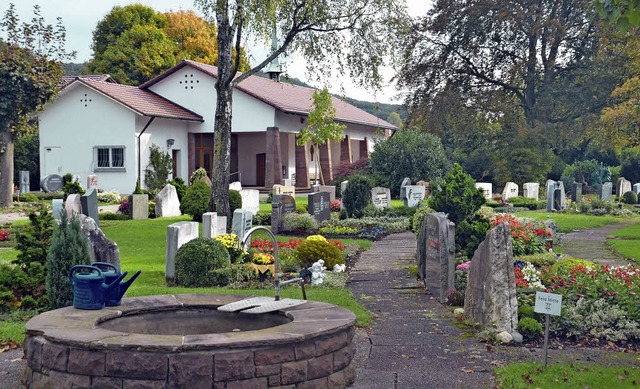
point(281, 206)
point(89, 203)
point(604, 192)
point(576, 192)
point(51, 183)
point(557, 199)
point(319, 205)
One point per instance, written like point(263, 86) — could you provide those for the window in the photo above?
point(109, 158)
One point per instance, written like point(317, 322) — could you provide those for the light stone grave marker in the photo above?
point(487, 188)
point(427, 188)
point(241, 223)
point(73, 205)
point(58, 208)
point(403, 187)
point(167, 202)
point(25, 181)
point(139, 206)
point(250, 200)
point(604, 192)
point(414, 194)
point(510, 190)
point(381, 197)
point(636, 188)
point(101, 248)
point(531, 190)
point(623, 186)
point(177, 235)
point(213, 225)
point(284, 190)
point(236, 185)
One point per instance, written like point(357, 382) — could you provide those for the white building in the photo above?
point(96, 126)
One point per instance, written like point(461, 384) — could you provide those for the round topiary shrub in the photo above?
point(196, 258)
point(630, 197)
point(196, 200)
point(316, 247)
point(529, 328)
point(357, 195)
point(235, 200)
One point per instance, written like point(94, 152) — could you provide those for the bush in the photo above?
point(28, 198)
point(408, 153)
point(455, 297)
point(33, 242)
point(233, 246)
point(529, 328)
point(345, 169)
point(585, 172)
point(287, 260)
point(565, 265)
point(109, 197)
point(357, 195)
point(198, 175)
point(181, 187)
point(630, 197)
point(317, 247)
point(527, 202)
point(418, 217)
point(235, 200)
point(540, 260)
point(234, 273)
point(262, 219)
point(124, 207)
point(72, 188)
point(152, 209)
point(526, 311)
point(196, 200)
point(335, 205)
point(300, 221)
point(196, 259)
point(456, 195)
point(156, 174)
point(112, 216)
point(470, 233)
point(69, 247)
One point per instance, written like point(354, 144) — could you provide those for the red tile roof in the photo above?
point(141, 101)
point(284, 97)
point(66, 80)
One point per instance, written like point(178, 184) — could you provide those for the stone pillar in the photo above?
point(273, 174)
point(364, 148)
point(302, 167)
point(191, 155)
point(325, 163)
point(345, 150)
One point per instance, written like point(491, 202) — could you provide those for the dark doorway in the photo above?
point(261, 165)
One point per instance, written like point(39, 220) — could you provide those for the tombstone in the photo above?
point(213, 225)
point(487, 188)
point(101, 248)
point(343, 187)
point(241, 223)
point(167, 203)
point(177, 235)
point(52, 183)
point(329, 189)
point(250, 200)
point(490, 297)
point(25, 183)
point(92, 181)
point(287, 182)
point(414, 194)
point(622, 186)
point(531, 190)
point(427, 188)
point(556, 197)
point(284, 190)
point(563, 195)
point(318, 205)
point(604, 192)
point(576, 192)
point(236, 185)
point(73, 205)
point(636, 188)
point(89, 202)
point(58, 208)
point(381, 197)
point(403, 191)
point(139, 206)
point(436, 264)
point(510, 190)
point(281, 206)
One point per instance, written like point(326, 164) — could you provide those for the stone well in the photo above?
point(182, 341)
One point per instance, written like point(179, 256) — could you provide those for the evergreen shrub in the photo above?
point(470, 233)
point(316, 248)
point(235, 200)
point(181, 187)
point(300, 221)
point(357, 195)
point(418, 217)
point(456, 195)
point(196, 259)
point(529, 328)
point(196, 200)
point(630, 197)
point(156, 174)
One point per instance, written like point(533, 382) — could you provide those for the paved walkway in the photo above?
point(592, 245)
point(412, 342)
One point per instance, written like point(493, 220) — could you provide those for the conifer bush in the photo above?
point(196, 200)
point(357, 195)
point(456, 195)
point(196, 259)
point(630, 197)
point(69, 247)
point(235, 200)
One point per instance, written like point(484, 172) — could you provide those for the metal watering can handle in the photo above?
point(105, 264)
point(85, 267)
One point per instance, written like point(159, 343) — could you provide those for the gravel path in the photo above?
point(592, 245)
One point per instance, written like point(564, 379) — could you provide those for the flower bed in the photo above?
point(528, 235)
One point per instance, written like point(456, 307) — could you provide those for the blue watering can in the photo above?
point(111, 274)
point(89, 288)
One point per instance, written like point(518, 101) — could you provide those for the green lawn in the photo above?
point(626, 241)
point(568, 222)
point(8, 255)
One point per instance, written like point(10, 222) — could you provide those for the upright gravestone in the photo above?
point(510, 190)
point(381, 197)
point(487, 189)
point(73, 205)
point(89, 202)
point(438, 268)
point(139, 206)
point(343, 187)
point(241, 223)
point(576, 192)
point(490, 297)
point(563, 195)
point(550, 190)
point(557, 199)
point(92, 181)
point(636, 188)
point(51, 183)
point(531, 190)
point(177, 235)
point(329, 189)
point(281, 206)
point(284, 190)
point(25, 181)
point(101, 248)
point(414, 194)
point(167, 202)
point(604, 192)
point(236, 185)
point(427, 188)
point(403, 187)
point(58, 208)
point(250, 200)
point(318, 205)
point(623, 186)
point(213, 225)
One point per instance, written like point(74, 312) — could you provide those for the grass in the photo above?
point(8, 255)
point(626, 241)
point(569, 222)
point(566, 375)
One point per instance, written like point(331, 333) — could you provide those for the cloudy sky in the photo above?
point(81, 16)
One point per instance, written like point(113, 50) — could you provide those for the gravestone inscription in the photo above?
point(318, 205)
point(381, 197)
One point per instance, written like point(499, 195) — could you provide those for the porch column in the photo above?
point(325, 163)
point(191, 155)
point(364, 148)
point(345, 150)
point(273, 163)
point(302, 167)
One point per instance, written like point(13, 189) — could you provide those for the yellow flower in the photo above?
point(317, 238)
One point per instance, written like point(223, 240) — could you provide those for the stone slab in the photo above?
point(487, 189)
point(177, 235)
point(531, 190)
point(167, 202)
point(510, 190)
point(139, 206)
point(381, 197)
point(89, 203)
point(318, 205)
point(250, 200)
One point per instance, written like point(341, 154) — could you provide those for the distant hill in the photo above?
point(74, 69)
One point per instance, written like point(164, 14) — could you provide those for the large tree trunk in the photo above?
point(6, 169)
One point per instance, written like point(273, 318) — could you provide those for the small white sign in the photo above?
point(548, 303)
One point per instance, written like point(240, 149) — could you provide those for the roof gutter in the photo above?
point(139, 153)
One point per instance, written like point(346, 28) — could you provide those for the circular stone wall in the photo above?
point(310, 345)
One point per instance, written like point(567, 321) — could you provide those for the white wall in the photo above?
point(157, 133)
